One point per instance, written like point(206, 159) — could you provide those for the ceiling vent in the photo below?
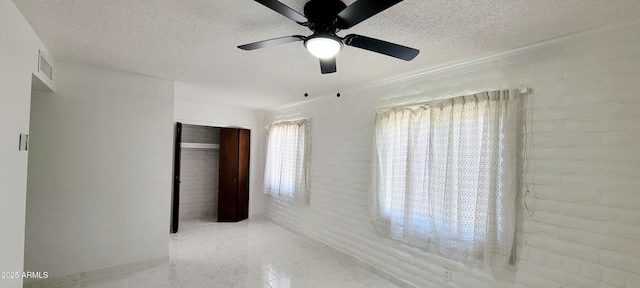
point(44, 67)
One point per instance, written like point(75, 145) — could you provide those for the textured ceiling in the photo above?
point(194, 41)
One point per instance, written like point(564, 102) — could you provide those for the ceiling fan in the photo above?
point(327, 17)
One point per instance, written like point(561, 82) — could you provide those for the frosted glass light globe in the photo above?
point(323, 47)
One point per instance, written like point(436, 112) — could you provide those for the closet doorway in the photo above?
point(211, 174)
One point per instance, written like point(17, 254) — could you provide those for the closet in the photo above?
point(211, 175)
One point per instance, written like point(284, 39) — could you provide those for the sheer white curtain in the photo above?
point(444, 176)
point(287, 165)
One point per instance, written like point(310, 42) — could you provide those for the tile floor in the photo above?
point(252, 253)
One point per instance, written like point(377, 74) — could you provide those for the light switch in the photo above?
point(24, 142)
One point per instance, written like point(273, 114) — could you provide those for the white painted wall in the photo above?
point(583, 174)
point(19, 47)
point(100, 170)
point(211, 114)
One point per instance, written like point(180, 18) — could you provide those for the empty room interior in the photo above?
point(320, 143)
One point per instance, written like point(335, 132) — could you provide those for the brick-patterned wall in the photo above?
point(200, 134)
point(199, 174)
point(583, 171)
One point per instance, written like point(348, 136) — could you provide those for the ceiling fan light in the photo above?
point(323, 47)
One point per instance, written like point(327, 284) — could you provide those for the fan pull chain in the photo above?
point(338, 72)
point(306, 94)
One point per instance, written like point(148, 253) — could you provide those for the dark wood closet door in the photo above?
point(243, 174)
point(228, 185)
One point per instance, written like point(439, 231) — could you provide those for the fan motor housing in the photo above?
point(322, 14)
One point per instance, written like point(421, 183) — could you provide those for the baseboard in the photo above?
point(344, 255)
point(96, 274)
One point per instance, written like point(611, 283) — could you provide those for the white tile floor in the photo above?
point(253, 253)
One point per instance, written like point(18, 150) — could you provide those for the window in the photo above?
point(287, 164)
point(445, 176)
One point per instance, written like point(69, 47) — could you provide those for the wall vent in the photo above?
point(44, 67)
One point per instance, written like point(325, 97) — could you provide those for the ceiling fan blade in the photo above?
point(284, 10)
point(362, 10)
point(383, 47)
point(271, 42)
point(328, 65)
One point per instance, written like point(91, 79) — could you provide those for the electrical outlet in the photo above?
point(446, 275)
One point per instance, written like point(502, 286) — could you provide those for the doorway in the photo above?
point(211, 174)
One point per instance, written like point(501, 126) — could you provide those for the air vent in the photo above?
point(44, 67)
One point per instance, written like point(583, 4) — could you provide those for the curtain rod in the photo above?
point(291, 120)
point(523, 91)
point(307, 120)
